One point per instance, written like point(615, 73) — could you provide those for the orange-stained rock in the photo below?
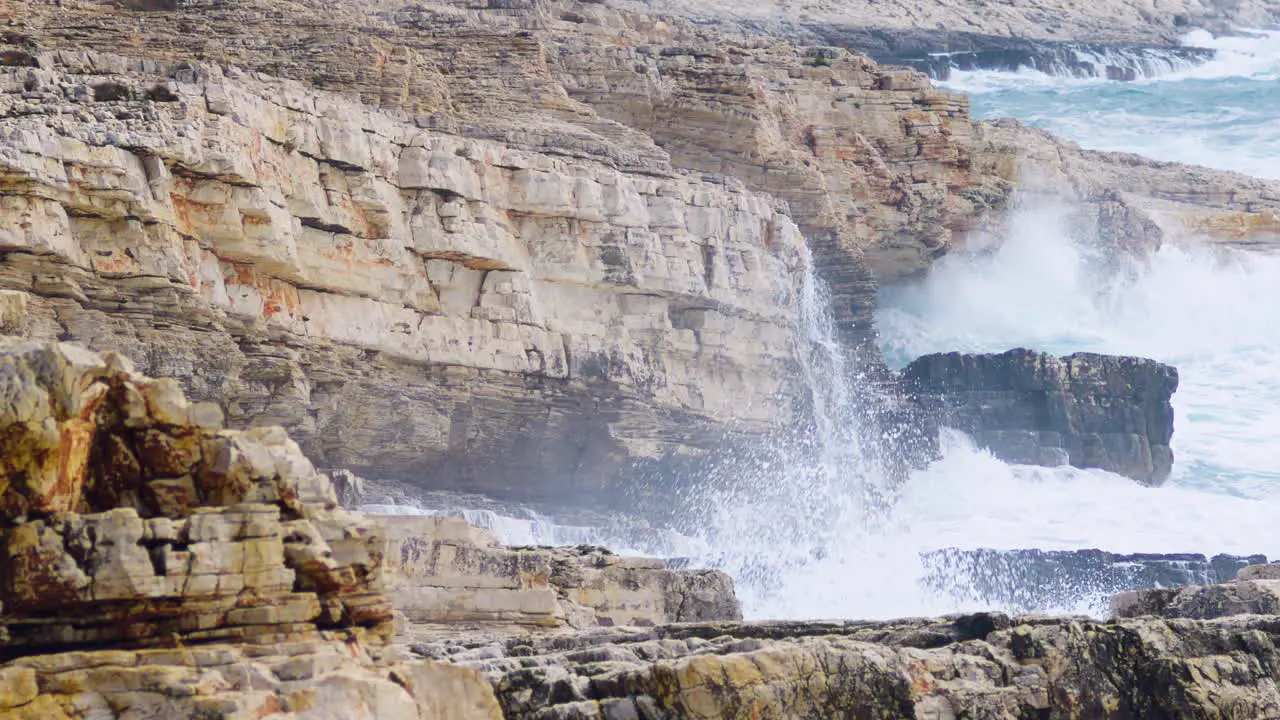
point(129, 516)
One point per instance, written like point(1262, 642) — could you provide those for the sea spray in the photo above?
point(811, 493)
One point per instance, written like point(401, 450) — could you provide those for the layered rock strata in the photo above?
point(443, 570)
point(155, 565)
point(1086, 410)
point(132, 517)
point(547, 251)
point(1116, 22)
point(300, 259)
point(985, 665)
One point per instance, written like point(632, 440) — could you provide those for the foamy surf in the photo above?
point(1220, 114)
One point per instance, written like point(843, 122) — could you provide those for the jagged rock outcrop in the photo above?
point(1034, 580)
point(984, 665)
point(131, 517)
point(1254, 591)
point(443, 570)
point(1086, 410)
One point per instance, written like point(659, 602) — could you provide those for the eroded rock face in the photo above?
point(442, 570)
point(1254, 591)
point(410, 303)
point(1086, 410)
point(155, 565)
point(133, 518)
point(984, 665)
point(545, 251)
point(301, 677)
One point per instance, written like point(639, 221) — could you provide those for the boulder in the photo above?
point(1086, 410)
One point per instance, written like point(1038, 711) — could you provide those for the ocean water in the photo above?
point(1215, 314)
point(1222, 114)
point(813, 527)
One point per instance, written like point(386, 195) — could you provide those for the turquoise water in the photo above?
point(1224, 114)
point(1215, 314)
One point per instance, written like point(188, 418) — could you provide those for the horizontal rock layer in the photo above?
point(1086, 410)
point(548, 251)
point(507, 313)
point(324, 676)
point(1052, 580)
point(985, 665)
point(442, 570)
point(131, 518)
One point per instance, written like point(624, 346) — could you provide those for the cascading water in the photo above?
point(810, 495)
point(813, 524)
point(1221, 114)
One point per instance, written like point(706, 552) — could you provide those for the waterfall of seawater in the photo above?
point(809, 499)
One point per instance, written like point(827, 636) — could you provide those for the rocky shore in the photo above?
point(157, 566)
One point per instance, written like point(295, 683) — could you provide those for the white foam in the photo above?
point(1214, 314)
point(1250, 54)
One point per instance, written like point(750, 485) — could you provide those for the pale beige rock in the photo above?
point(137, 555)
point(313, 678)
point(479, 242)
point(17, 687)
point(441, 569)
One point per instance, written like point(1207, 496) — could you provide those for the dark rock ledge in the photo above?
point(1086, 410)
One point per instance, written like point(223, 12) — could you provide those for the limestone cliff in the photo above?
point(544, 250)
point(154, 565)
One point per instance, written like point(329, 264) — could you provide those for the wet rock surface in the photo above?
point(938, 53)
point(984, 665)
point(1043, 580)
point(1085, 410)
point(1254, 591)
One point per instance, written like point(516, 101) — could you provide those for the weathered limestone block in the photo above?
point(13, 312)
point(316, 676)
point(983, 665)
point(132, 517)
point(1086, 410)
point(441, 569)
